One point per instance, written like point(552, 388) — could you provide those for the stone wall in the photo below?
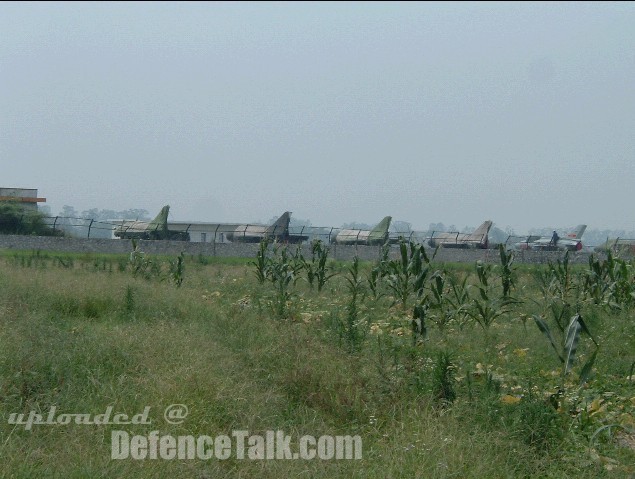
point(248, 250)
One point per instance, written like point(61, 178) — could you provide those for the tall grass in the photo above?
point(83, 338)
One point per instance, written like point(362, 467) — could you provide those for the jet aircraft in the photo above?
point(157, 229)
point(477, 239)
point(571, 242)
point(377, 236)
point(617, 245)
point(278, 231)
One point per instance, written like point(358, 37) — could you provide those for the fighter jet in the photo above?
point(572, 242)
point(617, 245)
point(377, 236)
point(157, 229)
point(478, 239)
point(278, 231)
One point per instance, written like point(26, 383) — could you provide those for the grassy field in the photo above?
point(441, 370)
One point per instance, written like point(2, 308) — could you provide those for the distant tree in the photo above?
point(45, 210)
point(497, 235)
point(401, 227)
point(132, 214)
point(299, 223)
point(357, 226)
point(102, 224)
point(68, 212)
point(300, 226)
point(80, 224)
point(67, 221)
point(105, 215)
point(15, 219)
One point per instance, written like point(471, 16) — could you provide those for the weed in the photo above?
point(443, 379)
point(177, 270)
point(351, 329)
point(535, 422)
point(129, 300)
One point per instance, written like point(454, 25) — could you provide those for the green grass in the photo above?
point(80, 333)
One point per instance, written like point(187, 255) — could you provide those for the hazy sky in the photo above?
point(522, 113)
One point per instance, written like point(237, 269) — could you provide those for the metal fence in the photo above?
point(233, 232)
point(227, 232)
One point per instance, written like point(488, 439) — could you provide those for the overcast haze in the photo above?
point(522, 113)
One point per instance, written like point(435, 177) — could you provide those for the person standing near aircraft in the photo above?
point(555, 238)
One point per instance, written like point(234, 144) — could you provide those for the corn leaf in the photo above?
point(542, 325)
point(586, 369)
point(571, 343)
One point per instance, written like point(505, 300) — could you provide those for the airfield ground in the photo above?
point(82, 332)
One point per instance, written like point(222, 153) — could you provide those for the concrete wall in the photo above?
point(248, 250)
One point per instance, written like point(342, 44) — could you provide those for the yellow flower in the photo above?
point(375, 329)
point(594, 406)
point(521, 353)
point(627, 420)
point(508, 399)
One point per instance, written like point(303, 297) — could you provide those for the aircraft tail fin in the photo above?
point(577, 233)
point(280, 227)
point(380, 232)
point(480, 233)
point(160, 223)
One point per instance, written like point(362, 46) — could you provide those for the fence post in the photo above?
point(214, 245)
point(89, 227)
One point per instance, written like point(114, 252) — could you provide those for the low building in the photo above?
point(27, 197)
point(201, 232)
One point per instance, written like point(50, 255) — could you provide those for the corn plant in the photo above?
point(378, 272)
point(419, 316)
point(439, 302)
point(317, 269)
point(262, 261)
point(407, 275)
point(562, 284)
point(349, 328)
point(610, 283)
point(177, 270)
point(561, 293)
point(566, 347)
point(297, 263)
point(507, 273)
point(458, 299)
point(443, 379)
point(282, 272)
point(448, 299)
point(487, 306)
point(140, 264)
